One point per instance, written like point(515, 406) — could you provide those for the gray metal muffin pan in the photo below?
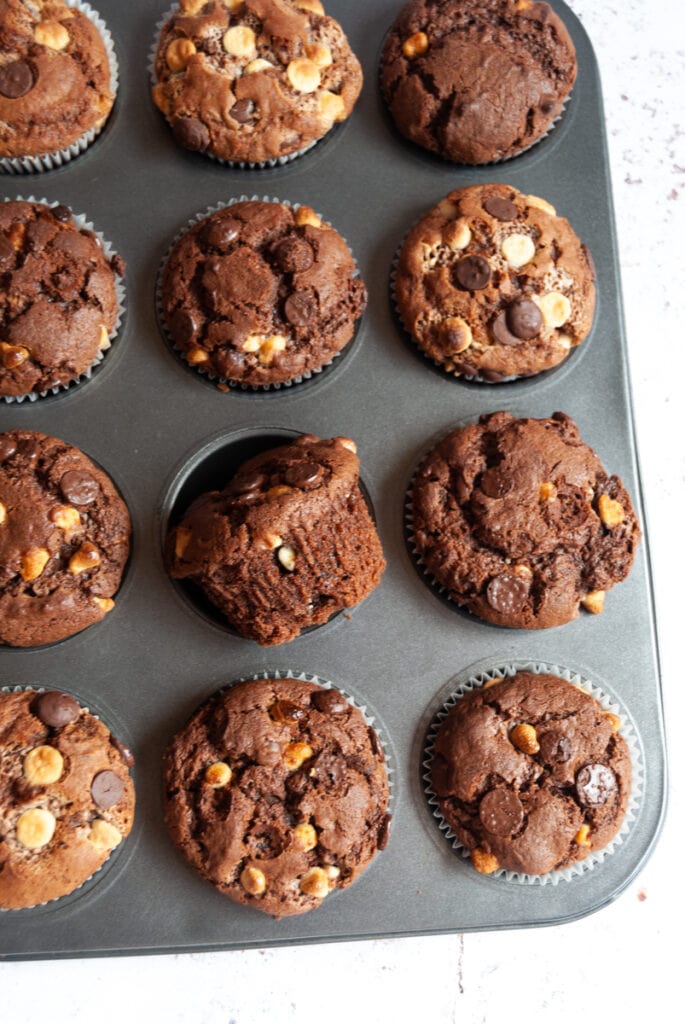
point(144, 414)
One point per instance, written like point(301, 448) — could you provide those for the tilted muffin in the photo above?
point(477, 80)
point(254, 80)
point(54, 77)
point(258, 293)
point(286, 544)
point(276, 792)
point(520, 523)
point(66, 796)
point(493, 285)
point(59, 304)
point(64, 540)
point(531, 774)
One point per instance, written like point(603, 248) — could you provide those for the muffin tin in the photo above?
point(145, 418)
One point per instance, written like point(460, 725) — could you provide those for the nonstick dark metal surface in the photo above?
point(148, 420)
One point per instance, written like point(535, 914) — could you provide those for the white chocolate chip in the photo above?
point(555, 308)
point(240, 41)
point(259, 64)
point(253, 881)
point(251, 344)
point(3, 514)
point(86, 558)
point(35, 828)
point(178, 53)
point(104, 836)
point(315, 6)
point(43, 765)
point(51, 34)
point(518, 250)
point(330, 106)
point(287, 556)
point(305, 836)
point(315, 883)
point(303, 75)
point(33, 563)
point(541, 204)
point(455, 334)
point(457, 234)
point(348, 443)
point(218, 775)
point(103, 341)
point(319, 54)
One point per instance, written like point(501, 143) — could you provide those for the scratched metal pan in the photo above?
point(150, 423)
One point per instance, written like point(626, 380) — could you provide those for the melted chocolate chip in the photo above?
point(300, 307)
point(7, 448)
point(329, 702)
point(384, 832)
point(56, 709)
point(220, 233)
point(62, 214)
point(524, 319)
point(304, 474)
point(79, 488)
point(183, 326)
point(507, 593)
point(500, 208)
point(191, 133)
point(595, 785)
point(16, 80)
point(285, 712)
point(243, 111)
point(473, 273)
point(501, 812)
point(106, 789)
point(294, 254)
point(555, 748)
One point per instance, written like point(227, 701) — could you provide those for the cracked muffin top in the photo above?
point(477, 80)
point(531, 773)
point(276, 792)
point(259, 293)
point(66, 796)
point(54, 77)
point(492, 284)
point(59, 302)
point(64, 540)
point(254, 80)
point(520, 523)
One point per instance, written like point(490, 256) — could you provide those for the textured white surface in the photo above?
point(622, 963)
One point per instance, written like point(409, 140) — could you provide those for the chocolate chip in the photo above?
point(294, 254)
point(548, 103)
point(190, 133)
point(242, 111)
point(524, 319)
point(62, 214)
point(507, 593)
point(501, 812)
point(297, 783)
point(106, 789)
point(494, 483)
point(16, 79)
point(7, 448)
point(285, 712)
point(118, 265)
point(246, 482)
point(303, 474)
point(220, 233)
point(79, 488)
point(56, 709)
point(123, 752)
point(473, 273)
point(376, 747)
point(183, 326)
point(492, 376)
point(329, 702)
point(300, 308)
point(595, 785)
point(501, 332)
point(500, 208)
point(384, 832)
point(555, 748)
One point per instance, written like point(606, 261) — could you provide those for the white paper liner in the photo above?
point(113, 855)
point(225, 382)
point(277, 161)
point(504, 669)
point(82, 224)
point(49, 161)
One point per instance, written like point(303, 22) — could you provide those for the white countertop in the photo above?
point(624, 961)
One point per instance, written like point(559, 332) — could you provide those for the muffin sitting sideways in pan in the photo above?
point(519, 522)
point(288, 542)
point(276, 792)
point(66, 796)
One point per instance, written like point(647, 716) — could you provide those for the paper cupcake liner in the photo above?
point(100, 873)
point(49, 161)
point(277, 161)
point(225, 383)
point(83, 224)
point(466, 683)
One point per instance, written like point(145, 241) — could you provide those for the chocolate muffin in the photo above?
point(276, 792)
point(55, 85)
point(66, 796)
point(477, 80)
point(493, 285)
point(259, 293)
point(288, 542)
point(519, 522)
point(64, 540)
point(59, 302)
point(254, 80)
point(531, 774)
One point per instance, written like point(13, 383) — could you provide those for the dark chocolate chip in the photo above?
point(507, 593)
point(297, 783)
point(300, 308)
point(190, 133)
point(285, 712)
point(548, 104)
point(294, 254)
point(7, 448)
point(501, 812)
point(376, 747)
point(304, 474)
point(220, 233)
point(492, 376)
point(384, 832)
point(16, 79)
point(329, 702)
point(473, 273)
point(494, 483)
point(79, 488)
point(500, 208)
point(246, 482)
point(124, 753)
point(524, 319)
point(242, 111)
point(501, 332)
point(595, 785)
point(118, 265)
point(62, 214)
point(56, 709)
point(183, 326)
point(106, 789)
point(555, 748)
